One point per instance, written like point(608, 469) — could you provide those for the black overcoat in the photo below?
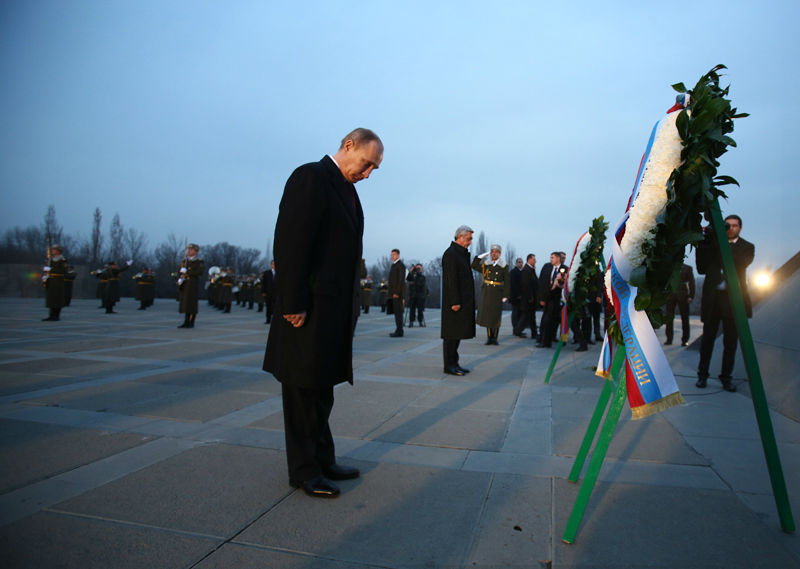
point(317, 248)
point(709, 263)
point(457, 288)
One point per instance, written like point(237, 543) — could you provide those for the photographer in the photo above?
point(417, 294)
point(551, 282)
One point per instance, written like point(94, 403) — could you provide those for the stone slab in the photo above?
point(630, 526)
point(393, 516)
point(212, 489)
point(31, 452)
point(50, 540)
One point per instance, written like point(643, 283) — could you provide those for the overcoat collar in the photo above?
point(346, 192)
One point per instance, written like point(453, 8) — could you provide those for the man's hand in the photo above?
point(395, 296)
point(455, 307)
point(541, 303)
point(296, 320)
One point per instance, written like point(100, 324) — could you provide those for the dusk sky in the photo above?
point(522, 119)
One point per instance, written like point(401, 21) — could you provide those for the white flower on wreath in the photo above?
point(665, 156)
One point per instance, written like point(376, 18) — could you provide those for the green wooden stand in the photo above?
point(598, 456)
point(599, 410)
point(754, 373)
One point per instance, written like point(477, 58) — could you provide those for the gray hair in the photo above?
point(462, 230)
point(360, 136)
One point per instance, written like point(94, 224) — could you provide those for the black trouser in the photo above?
point(416, 309)
point(683, 308)
point(720, 312)
point(309, 442)
point(551, 317)
point(450, 352)
point(527, 318)
point(397, 305)
point(516, 312)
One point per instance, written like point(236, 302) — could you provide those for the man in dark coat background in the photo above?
point(682, 298)
point(715, 306)
point(514, 276)
point(551, 283)
point(529, 290)
point(317, 246)
point(397, 291)
point(458, 299)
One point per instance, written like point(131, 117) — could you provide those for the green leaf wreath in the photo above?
point(691, 189)
point(590, 267)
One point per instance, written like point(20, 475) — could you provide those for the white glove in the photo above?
point(130, 262)
point(180, 281)
point(46, 268)
point(183, 270)
point(99, 271)
point(505, 299)
point(483, 255)
point(44, 278)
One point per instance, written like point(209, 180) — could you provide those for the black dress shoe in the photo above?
point(319, 487)
point(461, 369)
point(520, 334)
point(684, 343)
point(701, 383)
point(583, 348)
point(453, 370)
point(668, 343)
point(339, 472)
point(396, 335)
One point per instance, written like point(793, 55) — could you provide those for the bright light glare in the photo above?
point(763, 280)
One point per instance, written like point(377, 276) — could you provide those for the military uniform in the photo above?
point(494, 289)
point(145, 289)
point(69, 279)
point(189, 285)
point(112, 288)
point(366, 294)
point(53, 282)
point(102, 282)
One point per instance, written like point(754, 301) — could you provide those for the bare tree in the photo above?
point(511, 254)
point(135, 243)
point(483, 243)
point(116, 233)
point(53, 232)
point(96, 240)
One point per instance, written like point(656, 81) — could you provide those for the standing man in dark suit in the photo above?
point(551, 282)
point(269, 289)
point(529, 291)
point(515, 295)
point(318, 241)
point(397, 291)
point(716, 304)
point(458, 299)
point(682, 298)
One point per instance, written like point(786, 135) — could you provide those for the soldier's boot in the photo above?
point(185, 322)
point(191, 320)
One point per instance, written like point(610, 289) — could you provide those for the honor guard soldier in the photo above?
point(102, 282)
point(69, 279)
point(191, 272)
point(145, 288)
point(53, 281)
point(494, 291)
point(226, 281)
point(366, 293)
point(112, 288)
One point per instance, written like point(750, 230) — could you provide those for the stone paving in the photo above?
point(127, 442)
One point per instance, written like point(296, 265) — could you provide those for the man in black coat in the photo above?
point(551, 283)
point(514, 296)
point(716, 304)
point(397, 291)
point(682, 298)
point(269, 289)
point(529, 285)
point(458, 299)
point(317, 245)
